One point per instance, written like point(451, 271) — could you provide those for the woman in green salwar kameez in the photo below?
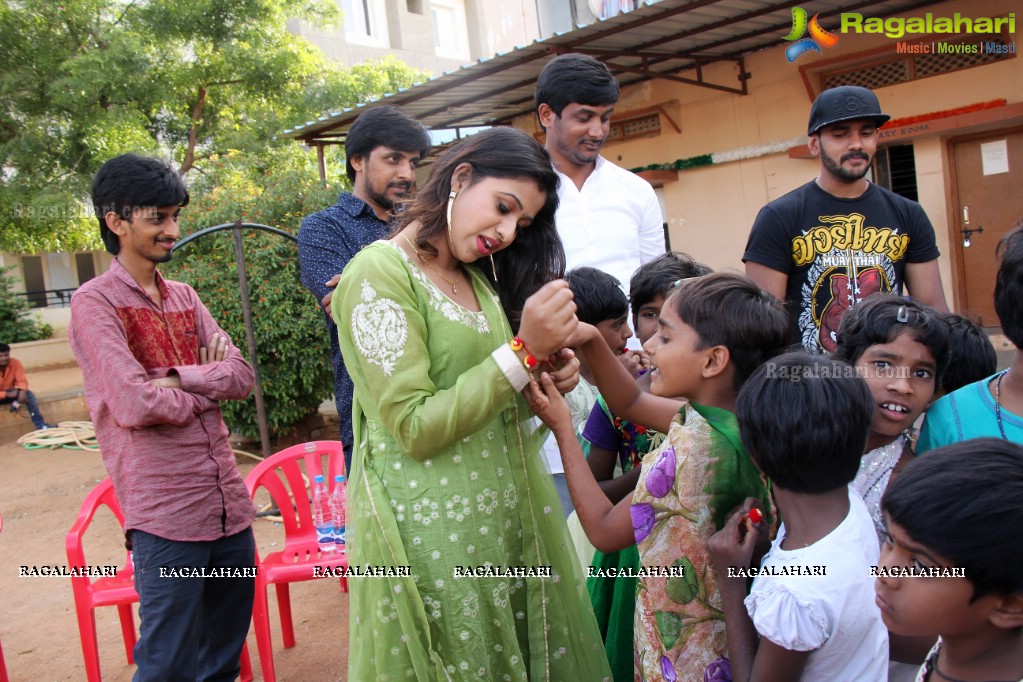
point(446, 478)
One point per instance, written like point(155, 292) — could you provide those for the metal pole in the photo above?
point(250, 337)
point(321, 163)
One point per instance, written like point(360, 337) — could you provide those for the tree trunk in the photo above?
point(189, 160)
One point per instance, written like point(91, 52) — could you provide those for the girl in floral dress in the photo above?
point(613, 439)
point(712, 333)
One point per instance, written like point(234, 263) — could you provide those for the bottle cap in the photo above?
point(319, 478)
point(340, 478)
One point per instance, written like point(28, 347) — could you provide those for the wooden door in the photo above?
point(989, 196)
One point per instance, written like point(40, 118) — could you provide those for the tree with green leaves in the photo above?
point(208, 83)
point(84, 80)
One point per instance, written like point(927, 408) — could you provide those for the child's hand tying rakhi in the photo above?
point(547, 403)
point(635, 361)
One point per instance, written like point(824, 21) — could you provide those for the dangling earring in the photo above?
point(451, 202)
point(493, 267)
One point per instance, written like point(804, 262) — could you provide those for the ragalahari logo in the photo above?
point(819, 37)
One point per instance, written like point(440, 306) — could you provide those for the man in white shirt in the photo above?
point(608, 218)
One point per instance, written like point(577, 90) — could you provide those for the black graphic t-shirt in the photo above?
point(838, 251)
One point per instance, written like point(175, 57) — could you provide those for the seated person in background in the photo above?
point(900, 348)
point(714, 331)
point(956, 510)
point(14, 388)
point(599, 301)
point(810, 614)
point(992, 406)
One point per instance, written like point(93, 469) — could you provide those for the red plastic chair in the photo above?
point(280, 475)
point(117, 590)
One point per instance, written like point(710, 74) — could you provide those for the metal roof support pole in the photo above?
point(744, 75)
point(321, 163)
point(250, 338)
point(243, 288)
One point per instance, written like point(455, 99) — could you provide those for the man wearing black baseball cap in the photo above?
point(825, 246)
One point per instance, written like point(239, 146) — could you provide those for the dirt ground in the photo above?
point(40, 494)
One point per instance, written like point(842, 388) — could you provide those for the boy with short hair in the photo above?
point(957, 507)
point(610, 437)
point(156, 366)
point(599, 301)
point(971, 355)
point(992, 406)
point(651, 284)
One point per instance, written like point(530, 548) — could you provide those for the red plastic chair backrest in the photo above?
point(102, 494)
point(281, 476)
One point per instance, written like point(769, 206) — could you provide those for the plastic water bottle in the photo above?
point(338, 503)
point(321, 516)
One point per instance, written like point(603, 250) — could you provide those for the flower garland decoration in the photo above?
point(910, 120)
point(759, 150)
point(755, 151)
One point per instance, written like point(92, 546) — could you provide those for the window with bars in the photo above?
point(895, 168)
point(85, 266)
point(35, 280)
point(643, 126)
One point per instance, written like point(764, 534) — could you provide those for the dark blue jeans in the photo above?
point(192, 628)
point(33, 408)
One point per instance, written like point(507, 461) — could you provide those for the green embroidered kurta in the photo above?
point(445, 476)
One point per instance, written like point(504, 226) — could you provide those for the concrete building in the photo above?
point(48, 279)
point(434, 35)
point(442, 35)
point(714, 115)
